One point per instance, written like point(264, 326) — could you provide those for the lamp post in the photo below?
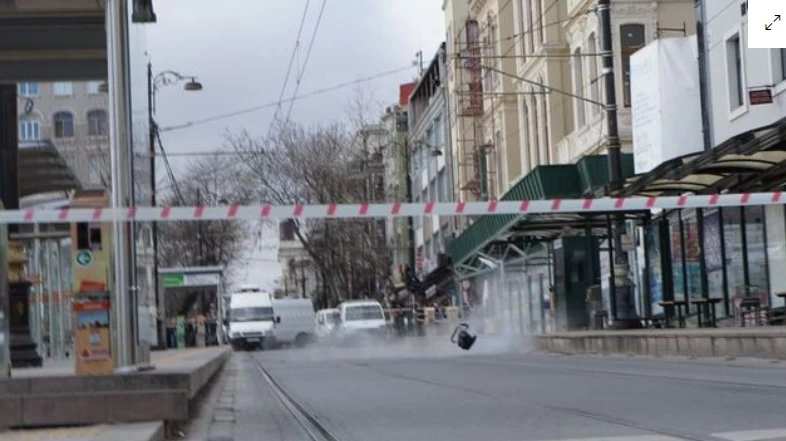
point(154, 82)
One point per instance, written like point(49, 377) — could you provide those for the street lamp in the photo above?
point(154, 83)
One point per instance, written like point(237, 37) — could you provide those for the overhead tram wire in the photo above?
point(289, 68)
point(271, 104)
point(299, 79)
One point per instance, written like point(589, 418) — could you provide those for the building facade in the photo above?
point(634, 25)
point(397, 183)
point(73, 116)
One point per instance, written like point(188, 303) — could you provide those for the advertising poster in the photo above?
point(92, 337)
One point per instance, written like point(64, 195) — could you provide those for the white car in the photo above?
point(361, 318)
point(328, 321)
point(294, 321)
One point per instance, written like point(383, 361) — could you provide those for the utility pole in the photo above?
point(701, 38)
point(151, 141)
point(626, 312)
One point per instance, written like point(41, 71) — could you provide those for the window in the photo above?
point(522, 34)
point(93, 87)
point(539, 22)
point(442, 182)
point(63, 89)
point(29, 129)
point(632, 39)
point(578, 83)
point(97, 123)
point(496, 62)
point(734, 67)
point(535, 130)
point(594, 77)
point(530, 31)
point(27, 89)
point(64, 125)
point(525, 135)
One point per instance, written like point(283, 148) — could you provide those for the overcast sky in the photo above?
point(240, 49)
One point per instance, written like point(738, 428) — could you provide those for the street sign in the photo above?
point(174, 280)
point(84, 258)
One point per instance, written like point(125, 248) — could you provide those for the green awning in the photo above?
point(594, 171)
point(544, 182)
point(562, 181)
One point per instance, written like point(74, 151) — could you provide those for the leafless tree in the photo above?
point(321, 165)
point(214, 180)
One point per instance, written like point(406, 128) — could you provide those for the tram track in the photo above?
point(313, 428)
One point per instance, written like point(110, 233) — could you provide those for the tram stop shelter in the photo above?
point(190, 296)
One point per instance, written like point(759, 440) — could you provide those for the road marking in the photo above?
point(752, 435)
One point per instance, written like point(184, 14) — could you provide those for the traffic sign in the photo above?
point(84, 258)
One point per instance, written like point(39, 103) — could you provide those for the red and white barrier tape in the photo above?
point(256, 212)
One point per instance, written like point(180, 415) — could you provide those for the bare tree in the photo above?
point(321, 165)
point(215, 180)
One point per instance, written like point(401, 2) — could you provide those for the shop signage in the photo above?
point(760, 96)
point(174, 280)
point(186, 280)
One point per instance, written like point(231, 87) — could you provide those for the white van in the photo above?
point(294, 321)
point(362, 317)
point(251, 320)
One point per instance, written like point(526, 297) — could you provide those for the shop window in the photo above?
point(677, 268)
point(755, 245)
point(713, 253)
point(690, 241)
point(655, 267)
point(732, 237)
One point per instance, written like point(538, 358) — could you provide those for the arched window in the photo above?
point(535, 129)
point(64, 125)
point(29, 128)
point(594, 75)
point(578, 88)
point(525, 130)
point(97, 123)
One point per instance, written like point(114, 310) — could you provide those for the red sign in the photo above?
point(760, 96)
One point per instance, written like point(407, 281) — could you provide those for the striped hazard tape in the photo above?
point(395, 209)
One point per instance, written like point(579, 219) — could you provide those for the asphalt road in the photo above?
point(433, 391)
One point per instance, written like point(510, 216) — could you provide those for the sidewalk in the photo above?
point(121, 432)
point(756, 342)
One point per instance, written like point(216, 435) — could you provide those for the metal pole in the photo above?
point(50, 302)
point(521, 312)
point(704, 76)
point(38, 296)
point(120, 141)
point(626, 311)
point(61, 343)
point(151, 144)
